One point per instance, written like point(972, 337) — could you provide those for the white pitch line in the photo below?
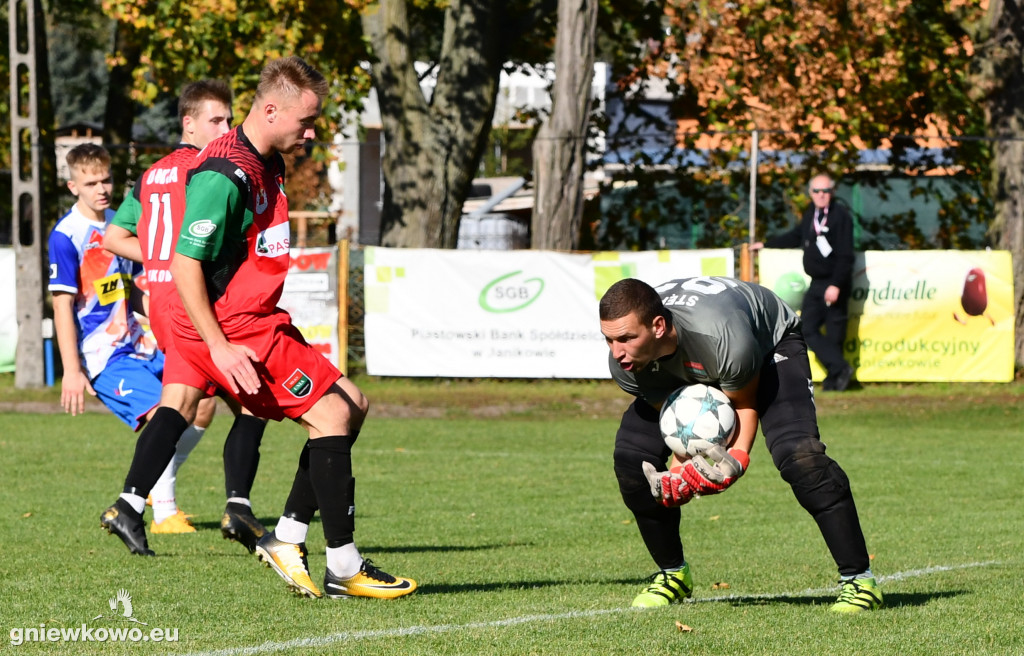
point(347, 636)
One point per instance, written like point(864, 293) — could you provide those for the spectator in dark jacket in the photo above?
point(825, 234)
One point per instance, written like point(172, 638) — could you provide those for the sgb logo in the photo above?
point(510, 292)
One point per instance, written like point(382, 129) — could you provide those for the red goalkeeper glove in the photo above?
point(668, 487)
point(705, 478)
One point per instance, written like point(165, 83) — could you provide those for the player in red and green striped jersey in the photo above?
point(230, 266)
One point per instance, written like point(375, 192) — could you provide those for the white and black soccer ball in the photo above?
point(695, 418)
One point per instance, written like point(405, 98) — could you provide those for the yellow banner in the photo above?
point(917, 315)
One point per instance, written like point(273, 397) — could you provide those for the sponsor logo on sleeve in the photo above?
point(203, 228)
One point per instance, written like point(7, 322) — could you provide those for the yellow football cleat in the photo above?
point(289, 561)
point(858, 595)
point(368, 582)
point(666, 588)
point(176, 523)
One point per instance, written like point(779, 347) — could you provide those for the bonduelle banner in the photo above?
point(503, 314)
point(917, 315)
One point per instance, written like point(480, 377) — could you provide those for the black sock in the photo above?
point(330, 472)
point(242, 455)
point(301, 504)
point(154, 450)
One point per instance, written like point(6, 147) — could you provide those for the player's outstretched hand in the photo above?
point(705, 478)
point(74, 386)
point(235, 362)
point(668, 487)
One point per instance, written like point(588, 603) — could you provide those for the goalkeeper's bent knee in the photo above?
point(818, 482)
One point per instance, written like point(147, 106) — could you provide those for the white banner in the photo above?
point(8, 311)
point(503, 314)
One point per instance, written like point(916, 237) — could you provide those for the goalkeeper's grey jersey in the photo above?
point(725, 328)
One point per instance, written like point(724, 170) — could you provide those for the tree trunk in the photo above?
point(560, 146)
point(1001, 50)
point(433, 147)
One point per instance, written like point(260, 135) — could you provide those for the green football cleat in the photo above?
point(666, 588)
point(857, 595)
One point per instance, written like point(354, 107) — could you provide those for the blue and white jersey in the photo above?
point(101, 283)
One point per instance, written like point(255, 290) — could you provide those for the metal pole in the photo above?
point(343, 327)
point(746, 254)
point(753, 187)
point(26, 193)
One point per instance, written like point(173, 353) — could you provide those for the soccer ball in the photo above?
point(695, 418)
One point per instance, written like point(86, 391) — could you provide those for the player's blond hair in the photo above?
point(289, 77)
point(88, 157)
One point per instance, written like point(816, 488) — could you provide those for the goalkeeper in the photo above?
point(744, 339)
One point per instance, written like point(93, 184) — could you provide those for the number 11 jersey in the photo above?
point(154, 212)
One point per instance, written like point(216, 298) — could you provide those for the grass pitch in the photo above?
point(500, 500)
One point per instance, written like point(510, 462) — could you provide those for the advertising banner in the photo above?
point(503, 314)
point(311, 298)
point(8, 312)
point(917, 315)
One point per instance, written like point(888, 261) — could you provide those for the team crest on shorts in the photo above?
point(298, 384)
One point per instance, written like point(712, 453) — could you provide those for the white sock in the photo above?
point(866, 574)
point(135, 501)
point(188, 441)
point(291, 531)
point(241, 500)
point(344, 561)
point(163, 493)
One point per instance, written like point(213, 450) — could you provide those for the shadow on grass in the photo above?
point(892, 600)
point(266, 521)
point(810, 598)
point(372, 550)
point(494, 586)
point(436, 548)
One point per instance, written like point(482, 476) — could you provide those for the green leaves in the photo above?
point(182, 42)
